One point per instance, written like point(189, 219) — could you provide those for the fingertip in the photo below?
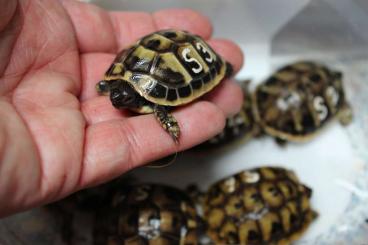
point(93, 68)
point(87, 18)
point(230, 51)
point(206, 120)
point(228, 96)
point(129, 26)
point(185, 19)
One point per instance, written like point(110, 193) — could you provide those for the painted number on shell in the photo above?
point(235, 123)
point(333, 95)
point(210, 56)
point(291, 100)
point(321, 108)
point(187, 58)
point(142, 192)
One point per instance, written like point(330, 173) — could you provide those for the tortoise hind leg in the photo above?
point(345, 114)
point(281, 142)
point(168, 122)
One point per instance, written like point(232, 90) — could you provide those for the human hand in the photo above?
point(56, 134)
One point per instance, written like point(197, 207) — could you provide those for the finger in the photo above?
point(93, 28)
point(130, 26)
point(116, 146)
point(228, 96)
point(184, 19)
point(94, 65)
point(230, 51)
point(100, 109)
point(7, 12)
point(117, 30)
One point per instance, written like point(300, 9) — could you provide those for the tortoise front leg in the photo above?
point(167, 121)
point(345, 115)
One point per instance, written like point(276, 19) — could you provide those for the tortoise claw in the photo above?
point(168, 122)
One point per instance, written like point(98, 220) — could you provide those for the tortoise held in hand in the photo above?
point(162, 70)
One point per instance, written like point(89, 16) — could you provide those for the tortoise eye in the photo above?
point(102, 87)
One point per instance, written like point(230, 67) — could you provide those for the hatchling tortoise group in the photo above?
point(163, 70)
point(266, 205)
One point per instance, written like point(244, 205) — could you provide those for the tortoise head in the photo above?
point(102, 87)
point(123, 96)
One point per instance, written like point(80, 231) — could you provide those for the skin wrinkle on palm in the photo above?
point(57, 135)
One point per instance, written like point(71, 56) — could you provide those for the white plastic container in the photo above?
point(273, 33)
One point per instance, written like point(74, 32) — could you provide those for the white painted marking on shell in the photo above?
point(239, 120)
point(321, 108)
point(230, 184)
point(333, 94)
point(291, 100)
point(250, 177)
point(183, 231)
point(211, 57)
point(151, 229)
point(142, 193)
point(235, 124)
point(187, 58)
point(256, 215)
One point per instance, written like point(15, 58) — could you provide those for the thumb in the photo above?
point(7, 11)
point(10, 26)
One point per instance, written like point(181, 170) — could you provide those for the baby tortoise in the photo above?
point(240, 127)
point(298, 100)
point(148, 214)
point(266, 205)
point(163, 70)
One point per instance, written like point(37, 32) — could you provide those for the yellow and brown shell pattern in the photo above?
point(266, 205)
point(169, 67)
point(238, 128)
point(149, 214)
point(299, 99)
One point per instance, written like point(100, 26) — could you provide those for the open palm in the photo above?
point(56, 134)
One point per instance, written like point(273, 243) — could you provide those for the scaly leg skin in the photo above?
point(280, 142)
point(346, 114)
point(168, 122)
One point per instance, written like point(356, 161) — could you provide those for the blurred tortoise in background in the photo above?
point(266, 205)
point(238, 128)
point(148, 214)
point(162, 70)
point(296, 101)
point(293, 104)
